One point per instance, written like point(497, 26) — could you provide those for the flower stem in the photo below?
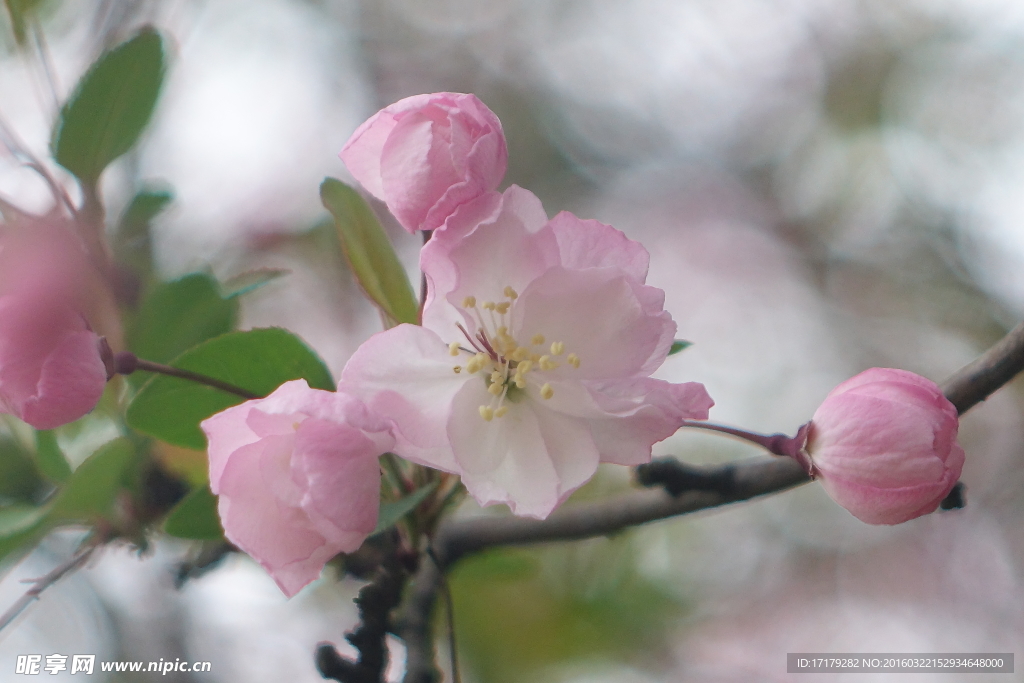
point(125, 363)
point(776, 444)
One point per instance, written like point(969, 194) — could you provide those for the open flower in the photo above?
point(534, 359)
point(883, 444)
point(426, 155)
point(298, 477)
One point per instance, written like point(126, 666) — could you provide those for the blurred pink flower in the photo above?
point(883, 444)
point(51, 371)
point(51, 368)
point(534, 360)
point(426, 155)
point(298, 478)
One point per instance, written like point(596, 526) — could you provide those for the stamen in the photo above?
point(546, 391)
point(489, 306)
point(453, 349)
point(546, 363)
point(495, 389)
point(457, 369)
point(503, 307)
point(520, 354)
point(537, 339)
point(497, 377)
point(487, 413)
point(557, 348)
point(469, 302)
point(476, 363)
point(511, 293)
point(500, 412)
point(573, 360)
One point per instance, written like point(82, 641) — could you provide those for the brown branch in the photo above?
point(980, 378)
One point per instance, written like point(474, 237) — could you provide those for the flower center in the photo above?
point(504, 361)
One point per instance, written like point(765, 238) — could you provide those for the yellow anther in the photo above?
point(546, 363)
point(495, 389)
point(457, 369)
point(557, 348)
point(524, 367)
point(476, 363)
point(519, 354)
point(489, 305)
point(469, 302)
point(500, 412)
point(519, 381)
point(537, 339)
point(502, 331)
point(496, 376)
point(453, 349)
point(511, 293)
point(487, 413)
point(502, 308)
point(546, 391)
point(535, 357)
point(573, 360)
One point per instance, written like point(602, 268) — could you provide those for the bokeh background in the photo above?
point(824, 186)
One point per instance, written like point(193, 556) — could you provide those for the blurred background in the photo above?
point(824, 186)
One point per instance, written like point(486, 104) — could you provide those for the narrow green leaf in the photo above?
point(195, 517)
point(132, 241)
point(259, 361)
point(50, 459)
point(678, 345)
point(19, 11)
point(177, 315)
point(91, 490)
point(21, 527)
point(110, 107)
point(251, 281)
point(369, 252)
point(20, 479)
point(391, 513)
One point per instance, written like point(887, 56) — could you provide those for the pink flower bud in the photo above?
point(426, 155)
point(51, 371)
point(298, 478)
point(883, 444)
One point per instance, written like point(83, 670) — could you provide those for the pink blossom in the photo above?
point(883, 444)
point(534, 359)
point(51, 369)
point(426, 155)
point(298, 478)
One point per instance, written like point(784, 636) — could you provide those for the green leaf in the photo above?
point(20, 478)
point(678, 345)
point(91, 490)
point(177, 315)
point(132, 243)
point(110, 106)
point(19, 11)
point(251, 280)
point(391, 513)
point(20, 527)
point(195, 517)
point(50, 459)
point(369, 252)
point(259, 361)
